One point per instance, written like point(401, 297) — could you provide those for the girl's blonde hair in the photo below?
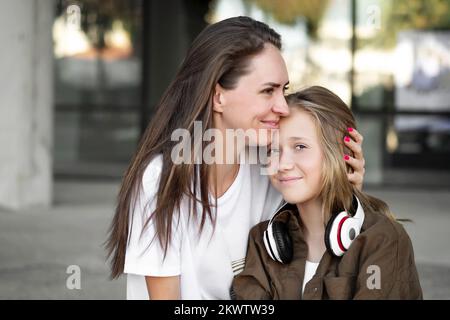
point(332, 118)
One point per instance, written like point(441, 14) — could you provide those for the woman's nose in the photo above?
point(281, 107)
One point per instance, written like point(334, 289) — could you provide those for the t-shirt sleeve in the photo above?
point(144, 254)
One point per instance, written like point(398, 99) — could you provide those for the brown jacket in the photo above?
point(382, 243)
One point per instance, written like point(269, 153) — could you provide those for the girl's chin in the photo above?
point(295, 198)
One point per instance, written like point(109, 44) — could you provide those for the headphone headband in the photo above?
point(359, 214)
point(284, 205)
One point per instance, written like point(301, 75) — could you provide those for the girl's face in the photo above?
point(297, 164)
point(257, 101)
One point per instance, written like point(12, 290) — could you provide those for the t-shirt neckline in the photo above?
point(231, 189)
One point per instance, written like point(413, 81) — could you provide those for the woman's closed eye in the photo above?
point(268, 91)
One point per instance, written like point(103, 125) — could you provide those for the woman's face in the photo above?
point(297, 163)
point(257, 101)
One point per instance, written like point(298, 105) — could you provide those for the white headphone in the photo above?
point(341, 230)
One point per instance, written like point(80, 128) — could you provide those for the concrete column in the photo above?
point(26, 103)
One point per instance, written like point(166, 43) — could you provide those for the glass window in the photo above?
point(98, 63)
point(402, 55)
point(420, 134)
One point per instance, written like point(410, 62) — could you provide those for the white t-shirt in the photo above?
point(310, 271)
point(206, 263)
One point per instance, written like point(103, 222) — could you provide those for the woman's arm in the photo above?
point(163, 288)
point(357, 162)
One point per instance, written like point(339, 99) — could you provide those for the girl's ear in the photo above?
point(218, 99)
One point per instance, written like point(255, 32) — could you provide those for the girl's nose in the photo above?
point(285, 162)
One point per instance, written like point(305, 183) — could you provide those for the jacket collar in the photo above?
point(296, 269)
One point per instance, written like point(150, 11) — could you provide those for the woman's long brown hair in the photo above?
point(219, 54)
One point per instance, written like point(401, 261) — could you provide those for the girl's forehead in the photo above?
point(299, 123)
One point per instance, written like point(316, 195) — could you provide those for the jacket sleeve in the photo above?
point(253, 283)
point(387, 268)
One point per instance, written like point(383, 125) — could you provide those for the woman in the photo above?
point(330, 240)
point(180, 229)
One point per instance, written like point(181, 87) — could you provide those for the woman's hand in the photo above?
point(354, 143)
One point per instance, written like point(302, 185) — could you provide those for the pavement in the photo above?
point(38, 245)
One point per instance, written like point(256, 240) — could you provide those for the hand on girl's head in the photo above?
point(354, 142)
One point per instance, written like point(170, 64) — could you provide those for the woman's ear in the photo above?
point(218, 99)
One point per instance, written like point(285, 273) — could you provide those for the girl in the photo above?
point(311, 248)
point(180, 229)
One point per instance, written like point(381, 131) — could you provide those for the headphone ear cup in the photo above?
point(283, 241)
point(333, 234)
point(327, 234)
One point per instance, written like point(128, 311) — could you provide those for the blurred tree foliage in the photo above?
point(288, 11)
point(98, 16)
point(411, 14)
point(396, 15)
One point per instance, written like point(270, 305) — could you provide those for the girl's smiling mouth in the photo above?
point(289, 180)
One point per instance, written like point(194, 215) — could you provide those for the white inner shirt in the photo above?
point(310, 271)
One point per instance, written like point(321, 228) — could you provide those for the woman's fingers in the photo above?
point(355, 135)
point(357, 165)
point(356, 179)
point(354, 142)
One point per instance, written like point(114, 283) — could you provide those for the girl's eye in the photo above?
point(273, 151)
point(300, 147)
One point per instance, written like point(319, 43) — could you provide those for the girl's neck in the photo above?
point(313, 228)
point(311, 217)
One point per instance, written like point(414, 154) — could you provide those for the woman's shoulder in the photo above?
point(151, 175)
point(154, 167)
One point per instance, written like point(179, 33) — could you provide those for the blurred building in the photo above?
point(83, 78)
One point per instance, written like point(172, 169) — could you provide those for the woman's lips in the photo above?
point(271, 124)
